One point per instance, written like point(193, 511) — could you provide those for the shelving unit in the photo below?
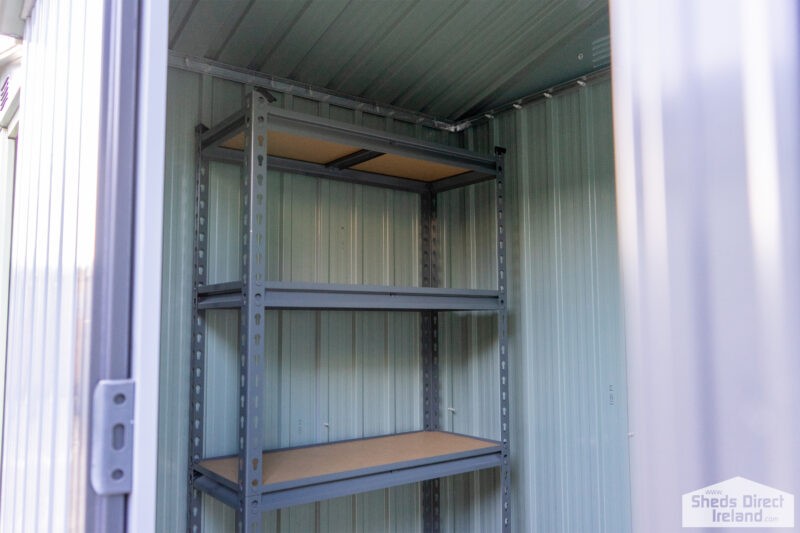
point(254, 480)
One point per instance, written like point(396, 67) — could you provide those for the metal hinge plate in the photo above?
point(112, 437)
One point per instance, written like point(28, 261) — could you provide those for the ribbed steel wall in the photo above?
point(44, 466)
point(568, 389)
point(335, 375)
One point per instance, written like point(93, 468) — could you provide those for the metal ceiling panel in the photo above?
point(450, 59)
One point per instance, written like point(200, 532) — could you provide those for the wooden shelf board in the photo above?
point(406, 167)
point(291, 466)
point(289, 146)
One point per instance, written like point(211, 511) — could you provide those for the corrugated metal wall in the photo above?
point(44, 457)
point(336, 375)
point(569, 434)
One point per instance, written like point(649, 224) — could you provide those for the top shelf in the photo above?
point(307, 144)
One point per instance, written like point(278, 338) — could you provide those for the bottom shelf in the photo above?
point(294, 476)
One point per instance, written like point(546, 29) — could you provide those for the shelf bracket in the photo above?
point(112, 437)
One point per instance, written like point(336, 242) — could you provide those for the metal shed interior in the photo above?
point(530, 76)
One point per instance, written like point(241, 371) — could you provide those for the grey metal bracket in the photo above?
point(112, 437)
point(354, 159)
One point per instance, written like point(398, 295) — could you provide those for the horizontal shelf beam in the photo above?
point(220, 296)
point(223, 131)
point(326, 296)
point(461, 180)
point(323, 296)
point(354, 159)
point(220, 288)
point(226, 495)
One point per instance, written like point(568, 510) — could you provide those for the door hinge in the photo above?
point(112, 437)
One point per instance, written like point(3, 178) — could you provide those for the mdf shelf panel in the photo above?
point(330, 149)
point(288, 146)
point(321, 296)
point(300, 475)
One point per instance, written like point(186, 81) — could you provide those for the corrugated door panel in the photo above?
point(7, 158)
point(44, 453)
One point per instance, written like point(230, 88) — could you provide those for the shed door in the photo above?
point(84, 267)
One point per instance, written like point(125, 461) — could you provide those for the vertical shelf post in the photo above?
point(429, 337)
point(252, 352)
point(502, 334)
point(198, 341)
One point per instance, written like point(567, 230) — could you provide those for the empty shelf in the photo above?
point(324, 148)
point(377, 297)
point(298, 295)
point(294, 475)
point(288, 146)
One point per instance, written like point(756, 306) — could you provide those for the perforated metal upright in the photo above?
point(251, 322)
point(502, 334)
point(429, 337)
point(198, 341)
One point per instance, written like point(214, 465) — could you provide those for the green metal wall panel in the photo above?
point(469, 358)
point(568, 390)
point(183, 102)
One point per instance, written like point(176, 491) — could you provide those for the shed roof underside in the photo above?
point(445, 58)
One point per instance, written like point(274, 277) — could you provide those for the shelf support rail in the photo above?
point(430, 352)
point(252, 352)
point(502, 334)
point(198, 342)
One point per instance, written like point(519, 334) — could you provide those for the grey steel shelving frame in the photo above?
point(253, 294)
